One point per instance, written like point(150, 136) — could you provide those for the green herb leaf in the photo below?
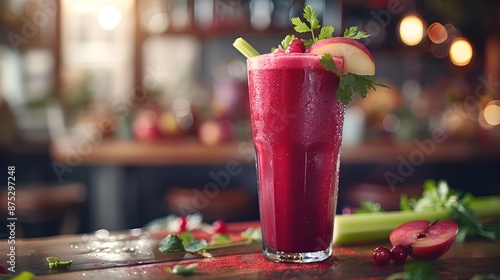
point(327, 62)
point(300, 26)
point(220, 239)
point(354, 33)
point(184, 270)
point(465, 218)
point(325, 32)
point(171, 243)
point(312, 17)
point(55, 263)
point(285, 42)
point(191, 244)
point(349, 82)
point(418, 270)
point(196, 245)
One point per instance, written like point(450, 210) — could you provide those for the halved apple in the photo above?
point(357, 58)
point(425, 240)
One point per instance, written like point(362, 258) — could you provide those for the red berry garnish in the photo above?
point(219, 226)
point(293, 49)
point(183, 225)
point(278, 51)
point(399, 254)
point(298, 43)
point(381, 255)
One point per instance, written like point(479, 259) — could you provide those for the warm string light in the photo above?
point(460, 50)
point(411, 30)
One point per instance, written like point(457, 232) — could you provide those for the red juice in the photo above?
point(297, 131)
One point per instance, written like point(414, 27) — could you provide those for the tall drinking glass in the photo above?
point(297, 131)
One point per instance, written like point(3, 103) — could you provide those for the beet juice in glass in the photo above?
point(297, 131)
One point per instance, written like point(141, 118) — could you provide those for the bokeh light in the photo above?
point(437, 33)
point(460, 52)
point(109, 17)
point(492, 112)
point(411, 30)
point(159, 22)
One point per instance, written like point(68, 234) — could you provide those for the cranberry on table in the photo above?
point(399, 254)
point(219, 226)
point(381, 255)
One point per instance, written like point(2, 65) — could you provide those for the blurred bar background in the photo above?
point(116, 112)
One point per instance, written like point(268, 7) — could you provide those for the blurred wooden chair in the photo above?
point(46, 206)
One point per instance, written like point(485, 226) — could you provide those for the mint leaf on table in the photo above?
point(220, 239)
point(191, 244)
point(171, 243)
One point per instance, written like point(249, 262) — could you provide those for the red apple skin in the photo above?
point(332, 44)
point(437, 240)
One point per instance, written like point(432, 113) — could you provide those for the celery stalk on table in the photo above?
point(369, 227)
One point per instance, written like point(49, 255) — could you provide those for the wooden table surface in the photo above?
point(134, 255)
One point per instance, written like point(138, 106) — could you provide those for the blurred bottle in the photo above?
point(180, 14)
point(221, 14)
point(284, 10)
point(261, 13)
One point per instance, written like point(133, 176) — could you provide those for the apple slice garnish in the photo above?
point(425, 240)
point(357, 58)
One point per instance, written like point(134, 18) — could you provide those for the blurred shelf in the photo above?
point(191, 152)
point(162, 152)
point(396, 153)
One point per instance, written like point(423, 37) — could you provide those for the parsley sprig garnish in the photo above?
point(349, 82)
point(311, 24)
point(285, 42)
point(353, 33)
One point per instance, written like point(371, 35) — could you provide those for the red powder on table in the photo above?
point(257, 262)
